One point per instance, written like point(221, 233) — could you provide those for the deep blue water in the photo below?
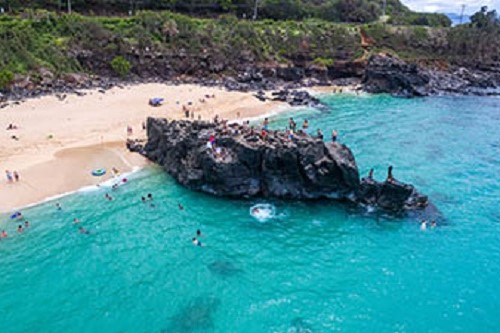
point(314, 267)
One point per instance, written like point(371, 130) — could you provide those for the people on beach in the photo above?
point(390, 178)
point(16, 176)
point(334, 136)
point(196, 242)
point(9, 176)
point(11, 127)
point(130, 131)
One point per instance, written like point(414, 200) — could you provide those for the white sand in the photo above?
point(60, 142)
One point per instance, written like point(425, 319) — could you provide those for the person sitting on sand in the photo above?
point(390, 178)
point(16, 176)
point(3, 234)
point(319, 134)
point(11, 127)
point(130, 131)
point(82, 230)
point(9, 177)
point(20, 228)
point(196, 242)
point(334, 136)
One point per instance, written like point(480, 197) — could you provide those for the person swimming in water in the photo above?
point(196, 242)
point(20, 228)
point(150, 196)
point(181, 207)
point(82, 230)
point(58, 206)
point(198, 233)
point(26, 224)
point(433, 224)
point(107, 196)
point(76, 221)
point(143, 199)
point(255, 210)
point(423, 225)
point(3, 234)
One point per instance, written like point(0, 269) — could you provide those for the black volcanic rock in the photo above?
point(245, 165)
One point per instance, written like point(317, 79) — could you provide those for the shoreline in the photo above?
point(61, 141)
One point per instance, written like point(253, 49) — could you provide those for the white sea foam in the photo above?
point(263, 212)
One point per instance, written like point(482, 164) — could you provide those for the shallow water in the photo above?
point(313, 267)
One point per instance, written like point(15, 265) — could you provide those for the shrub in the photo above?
point(121, 66)
point(6, 78)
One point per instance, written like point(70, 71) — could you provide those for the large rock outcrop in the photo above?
point(243, 164)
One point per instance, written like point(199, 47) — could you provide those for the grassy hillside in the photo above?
point(165, 44)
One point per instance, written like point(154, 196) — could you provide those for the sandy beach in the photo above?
point(59, 142)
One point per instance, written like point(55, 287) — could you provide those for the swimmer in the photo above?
point(196, 242)
point(58, 206)
point(255, 210)
point(82, 230)
point(3, 234)
point(107, 196)
point(423, 225)
point(433, 224)
point(76, 221)
point(150, 196)
point(20, 229)
point(26, 224)
point(181, 207)
point(198, 233)
point(143, 199)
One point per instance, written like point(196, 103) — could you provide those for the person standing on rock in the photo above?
point(390, 178)
point(370, 174)
point(320, 134)
point(305, 126)
point(334, 136)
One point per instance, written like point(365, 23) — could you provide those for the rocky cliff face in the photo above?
point(388, 74)
point(242, 163)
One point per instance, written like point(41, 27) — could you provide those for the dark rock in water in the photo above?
point(223, 268)
point(298, 325)
point(387, 74)
point(244, 165)
point(196, 316)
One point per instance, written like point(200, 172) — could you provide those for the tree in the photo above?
point(485, 19)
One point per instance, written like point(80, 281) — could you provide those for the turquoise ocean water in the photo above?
point(314, 267)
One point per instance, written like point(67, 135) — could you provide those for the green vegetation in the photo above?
point(358, 11)
point(120, 65)
point(151, 43)
point(6, 78)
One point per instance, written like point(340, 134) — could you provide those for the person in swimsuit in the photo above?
point(26, 224)
point(370, 174)
point(196, 242)
point(181, 207)
point(320, 134)
point(82, 230)
point(8, 175)
point(20, 229)
point(334, 136)
point(3, 234)
point(390, 177)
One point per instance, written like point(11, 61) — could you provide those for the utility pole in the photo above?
point(255, 9)
point(462, 13)
point(383, 7)
point(69, 6)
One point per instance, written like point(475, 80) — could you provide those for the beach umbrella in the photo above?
point(98, 172)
